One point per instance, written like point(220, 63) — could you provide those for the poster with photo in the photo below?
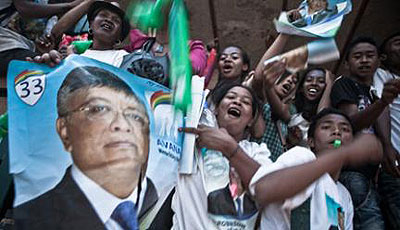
point(314, 18)
point(118, 131)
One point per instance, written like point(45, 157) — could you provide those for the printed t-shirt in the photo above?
point(329, 203)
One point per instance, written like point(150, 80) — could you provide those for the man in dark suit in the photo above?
point(105, 127)
point(220, 202)
point(234, 203)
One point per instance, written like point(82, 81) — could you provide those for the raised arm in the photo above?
point(391, 157)
point(325, 101)
point(275, 49)
point(70, 18)
point(271, 73)
point(285, 183)
point(368, 116)
point(32, 9)
point(257, 82)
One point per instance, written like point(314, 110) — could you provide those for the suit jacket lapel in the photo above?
point(75, 208)
point(150, 198)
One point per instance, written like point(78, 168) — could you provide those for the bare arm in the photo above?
point(368, 116)
point(47, 42)
point(258, 128)
point(70, 18)
point(31, 9)
point(383, 129)
point(365, 118)
point(286, 183)
point(325, 101)
point(220, 140)
point(278, 108)
point(275, 49)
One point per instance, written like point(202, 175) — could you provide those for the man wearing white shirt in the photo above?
point(105, 127)
point(389, 178)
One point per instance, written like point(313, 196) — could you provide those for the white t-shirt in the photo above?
point(326, 197)
point(190, 199)
point(111, 57)
point(381, 76)
point(299, 121)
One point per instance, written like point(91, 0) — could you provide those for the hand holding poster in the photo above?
point(314, 18)
point(103, 121)
point(316, 52)
point(187, 162)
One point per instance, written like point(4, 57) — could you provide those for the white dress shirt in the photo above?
point(102, 201)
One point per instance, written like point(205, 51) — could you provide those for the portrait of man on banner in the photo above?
point(105, 128)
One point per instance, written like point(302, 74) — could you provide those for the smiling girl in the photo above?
point(312, 96)
point(236, 109)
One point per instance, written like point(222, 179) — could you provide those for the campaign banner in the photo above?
point(40, 151)
point(314, 18)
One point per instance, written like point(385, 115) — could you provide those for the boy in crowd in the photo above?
point(300, 180)
point(389, 178)
point(325, 204)
point(354, 96)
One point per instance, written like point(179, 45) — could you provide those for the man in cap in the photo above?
point(108, 27)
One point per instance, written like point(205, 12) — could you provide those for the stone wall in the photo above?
point(248, 23)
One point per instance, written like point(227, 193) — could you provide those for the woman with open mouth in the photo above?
point(233, 67)
point(233, 64)
point(236, 109)
point(276, 87)
point(311, 97)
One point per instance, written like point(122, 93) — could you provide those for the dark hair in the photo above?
point(382, 47)
point(308, 108)
point(382, 50)
point(221, 92)
point(86, 77)
point(98, 6)
point(285, 75)
point(323, 113)
point(245, 58)
point(358, 40)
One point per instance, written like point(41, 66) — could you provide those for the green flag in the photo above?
point(147, 14)
point(180, 68)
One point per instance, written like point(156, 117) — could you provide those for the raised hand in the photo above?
point(365, 148)
point(213, 138)
point(390, 91)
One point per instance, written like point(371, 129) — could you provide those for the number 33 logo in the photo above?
point(30, 89)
